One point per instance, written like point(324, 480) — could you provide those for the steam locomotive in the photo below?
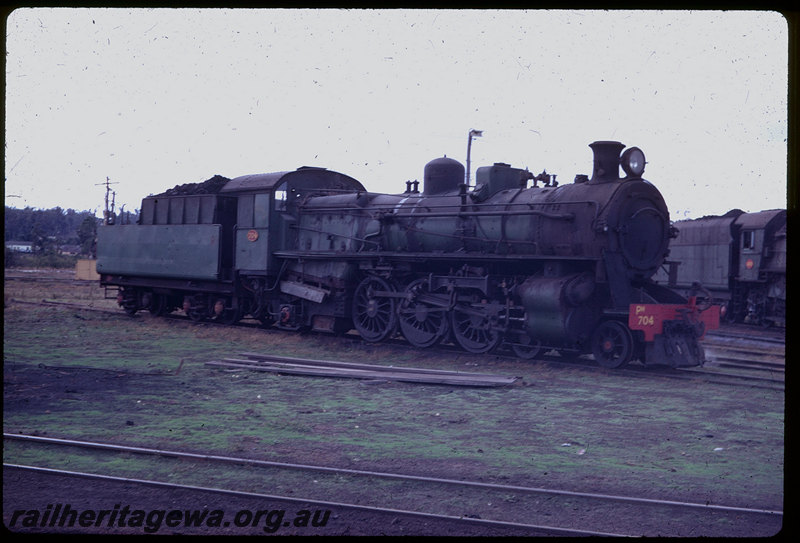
point(741, 260)
point(517, 261)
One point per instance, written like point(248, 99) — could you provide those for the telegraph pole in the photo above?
point(108, 215)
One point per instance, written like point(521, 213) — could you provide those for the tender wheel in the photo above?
point(612, 344)
point(374, 317)
point(197, 315)
point(129, 301)
point(471, 329)
point(158, 305)
point(422, 325)
point(230, 315)
point(225, 314)
point(196, 308)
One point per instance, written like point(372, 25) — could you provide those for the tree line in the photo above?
point(50, 229)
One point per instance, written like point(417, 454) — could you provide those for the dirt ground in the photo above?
point(654, 449)
point(51, 490)
point(35, 492)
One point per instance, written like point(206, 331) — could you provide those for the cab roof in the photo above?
point(305, 177)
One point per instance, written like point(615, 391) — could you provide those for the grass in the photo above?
point(571, 428)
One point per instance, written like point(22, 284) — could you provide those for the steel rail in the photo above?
point(733, 334)
point(457, 482)
point(733, 378)
point(754, 365)
point(70, 305)
point(82, 282)
point(242, 493)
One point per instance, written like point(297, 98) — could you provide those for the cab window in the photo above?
point(281, 194)
point(748, 240)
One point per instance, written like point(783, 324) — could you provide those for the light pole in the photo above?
point(472, 134)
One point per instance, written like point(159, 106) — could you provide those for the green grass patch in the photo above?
point(570, 428)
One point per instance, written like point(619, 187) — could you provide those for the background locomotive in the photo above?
point(740, 258)
point(516, 260)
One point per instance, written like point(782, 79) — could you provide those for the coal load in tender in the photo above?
point(210, 186)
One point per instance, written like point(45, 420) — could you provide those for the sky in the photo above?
point(153, 98)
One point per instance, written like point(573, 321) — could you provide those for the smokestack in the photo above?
point(606, 161)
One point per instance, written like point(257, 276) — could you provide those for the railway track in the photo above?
point(436, 499)
point(757, 365)
point(738, 331)
point(734, 379)
point(251, 513)
point(35, 279)
point(68, 305)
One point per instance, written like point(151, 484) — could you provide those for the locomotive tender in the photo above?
point(740, 258)
point(517, 260)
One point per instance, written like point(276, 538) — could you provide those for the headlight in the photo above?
point(633, 161)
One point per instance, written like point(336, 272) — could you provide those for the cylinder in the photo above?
point(555, 309)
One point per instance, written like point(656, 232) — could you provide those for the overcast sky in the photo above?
point(152, 98)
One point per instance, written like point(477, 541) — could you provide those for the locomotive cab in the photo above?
point(267, 212)
point(756, 231)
